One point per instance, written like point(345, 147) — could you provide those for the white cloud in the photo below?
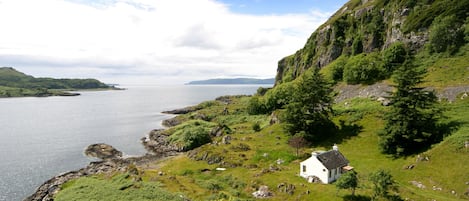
point(151, 41)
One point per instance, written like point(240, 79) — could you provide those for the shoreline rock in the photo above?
point(155, 143)
point(102, 151)
point(184, 110)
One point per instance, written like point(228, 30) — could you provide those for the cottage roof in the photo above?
point(332, 159)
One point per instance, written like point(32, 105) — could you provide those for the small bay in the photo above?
point(43, 137)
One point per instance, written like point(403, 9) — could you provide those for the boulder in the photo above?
point(102, 151)
point(263, 192)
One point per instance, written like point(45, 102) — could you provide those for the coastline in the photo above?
point(158, 148)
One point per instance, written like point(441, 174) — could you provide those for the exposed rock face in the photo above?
point(379, 92)
point(102, 151)
point(375, 91)
point(182, 110)
point(156, 142)
point(171, 122)
point(351, 30)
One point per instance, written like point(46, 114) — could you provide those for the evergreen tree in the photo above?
point(311, 107)
point(411, 123)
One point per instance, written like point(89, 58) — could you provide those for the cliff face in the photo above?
point(364, 26)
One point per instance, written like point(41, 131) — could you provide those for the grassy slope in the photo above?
point(182, 174)
point(447, 168)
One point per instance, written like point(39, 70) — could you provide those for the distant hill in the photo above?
point(16, 84)
point(233, 81)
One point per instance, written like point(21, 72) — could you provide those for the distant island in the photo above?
point(233, 81)
point(17, 84)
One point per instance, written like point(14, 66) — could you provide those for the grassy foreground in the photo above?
point(252, 158)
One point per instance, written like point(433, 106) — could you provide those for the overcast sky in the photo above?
point(155, 41)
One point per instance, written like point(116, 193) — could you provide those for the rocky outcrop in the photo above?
point(262, 192)
point(156, 142)
point(359, 27)
point(171, 122)
point(375, 91)
point(380, 92)
point(51, 187)
point(102, 151)
point(182, 110)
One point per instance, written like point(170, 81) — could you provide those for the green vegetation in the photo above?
point(251, 158)
point(364, 69)
point(382, 184)
point(191, 134)
point(411, 123)
point(121, 186)
point(349, 180)
point(310, 109)
point(445, 36)
point(16, 84)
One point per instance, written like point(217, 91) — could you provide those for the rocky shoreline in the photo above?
point(111, 160)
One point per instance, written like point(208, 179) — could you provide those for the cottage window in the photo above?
point(330, 174)
point(304, 168)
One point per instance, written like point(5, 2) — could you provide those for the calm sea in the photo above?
point(43, 137)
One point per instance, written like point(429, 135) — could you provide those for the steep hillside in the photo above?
point(367, 26)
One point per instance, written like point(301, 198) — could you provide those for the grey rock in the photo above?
point(102, 151)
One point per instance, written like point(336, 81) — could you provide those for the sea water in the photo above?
point(43, 137)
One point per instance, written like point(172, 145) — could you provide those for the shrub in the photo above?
point(256, 106)
point(337, 68)
point(279, 96)
point(394, 56)
point(446, 34)
point(256, 127)
point(364, 69)
point(191, 134)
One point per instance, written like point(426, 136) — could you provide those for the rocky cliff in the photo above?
point(364, 26)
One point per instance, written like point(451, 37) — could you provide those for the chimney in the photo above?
point(335, 147)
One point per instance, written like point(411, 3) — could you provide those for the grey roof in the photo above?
point(332, 159)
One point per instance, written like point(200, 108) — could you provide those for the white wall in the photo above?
point(314, 167)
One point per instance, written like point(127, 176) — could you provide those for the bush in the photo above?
point(337, 68)
point(256, 106)
point(191, 134)
point(364, 69)
point(446, 34)
point(256, 127)
point(394, 56)
point(279, 96)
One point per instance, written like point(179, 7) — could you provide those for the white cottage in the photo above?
point(326, 166)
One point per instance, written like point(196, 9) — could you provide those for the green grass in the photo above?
point(250, 160)
point(452, 71)
point(118, 187)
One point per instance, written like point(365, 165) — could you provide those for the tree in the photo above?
point(394, 56)
point(349, 180)
point(311, 107)
point(411, 123)
point(298, 141)
point(446, 34)
point(382, 183)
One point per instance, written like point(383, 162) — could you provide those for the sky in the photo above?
point(155, 41)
